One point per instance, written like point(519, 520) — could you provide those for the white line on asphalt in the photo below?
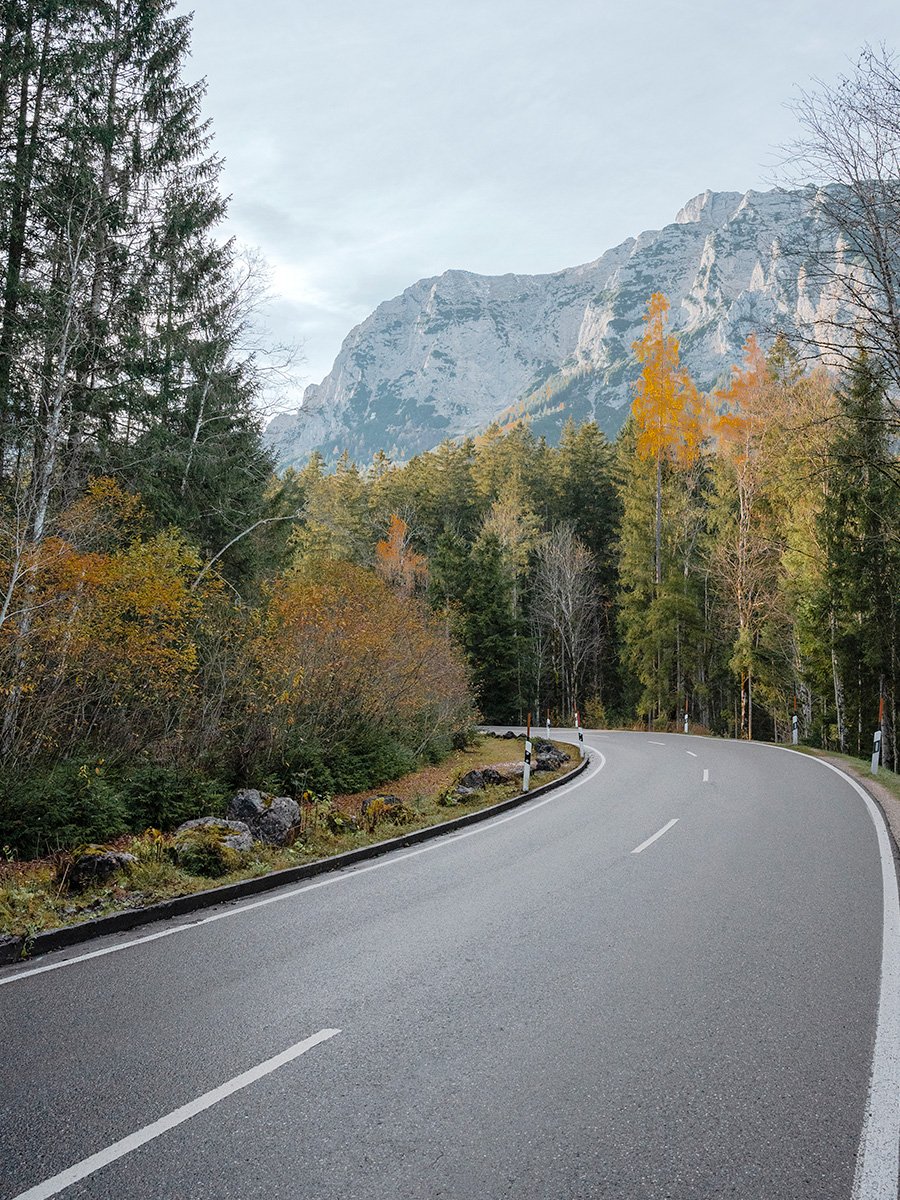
point(706, 774)
point(878, 1156)
point(652, 743)
point(390, 859)
point(87, 1166)
point(658, 834)
point(691, 753)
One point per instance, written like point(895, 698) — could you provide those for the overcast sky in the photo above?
point(369, 143)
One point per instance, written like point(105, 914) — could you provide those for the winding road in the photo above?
point(676, 977)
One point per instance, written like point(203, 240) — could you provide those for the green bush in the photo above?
point(363, 758)
point(202, 852)
point(163, 797)
point(368, 759)
point(70, 804)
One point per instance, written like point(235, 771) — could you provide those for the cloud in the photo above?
point(369, 145)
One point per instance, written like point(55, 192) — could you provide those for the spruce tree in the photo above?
point(860, 525)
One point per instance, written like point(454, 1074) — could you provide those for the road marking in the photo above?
point(691, 753)
point(658, 834)
point(652, 743)
point(87, 1166)
point(391, 858)
point(878, 1156)
point(706, 774)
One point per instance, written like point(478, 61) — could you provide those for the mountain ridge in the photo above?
point(453, 352)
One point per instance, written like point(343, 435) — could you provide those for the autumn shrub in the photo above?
point(126, 645)
point(374, 814)
point(355, 683)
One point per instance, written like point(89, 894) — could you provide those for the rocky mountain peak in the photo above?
point(453, 353)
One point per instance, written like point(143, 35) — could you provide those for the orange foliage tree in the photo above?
point(396, 561)
point(746, 557)
point(100, 642)
point(668, 409)
point(336, 650)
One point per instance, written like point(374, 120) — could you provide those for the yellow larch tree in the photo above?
point(668, 409)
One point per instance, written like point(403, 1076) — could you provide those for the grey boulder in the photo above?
point(96, 866)
point(472, 779)
point(235, 834)
point(271, 819)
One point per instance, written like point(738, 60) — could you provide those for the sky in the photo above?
point(371, 143)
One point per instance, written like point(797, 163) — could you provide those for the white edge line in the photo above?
point(87, 1166)
point(340, 874)
point(658, 834)
point(878, 1156)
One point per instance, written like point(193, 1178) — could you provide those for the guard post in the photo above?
point(580, 734)
point(876, 740)
point(526, 777)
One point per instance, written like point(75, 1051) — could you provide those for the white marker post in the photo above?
point(876, 751)
point(526, 777)
point(876, 741)
point(795, 729)
point(548, 729)
point(685, 715)
point(580, 734)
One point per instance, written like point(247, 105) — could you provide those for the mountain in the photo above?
point(454, 353)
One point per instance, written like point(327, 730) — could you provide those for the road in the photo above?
point(662, 980)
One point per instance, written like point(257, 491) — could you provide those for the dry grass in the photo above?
point(420, 786)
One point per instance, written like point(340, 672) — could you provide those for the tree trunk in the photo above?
point(838, 690)
point(20, 206)
point(658, 560)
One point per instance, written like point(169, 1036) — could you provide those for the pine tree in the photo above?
point(859, 525)
point(489, 631)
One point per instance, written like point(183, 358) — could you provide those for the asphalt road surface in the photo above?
point(663, 980)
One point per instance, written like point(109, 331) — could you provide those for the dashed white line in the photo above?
point(87, 1166)
point(658, 834)
point(652, 743)
point(691, 753)
point(706, 774)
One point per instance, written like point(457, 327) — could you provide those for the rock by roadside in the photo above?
point(234, 834)
point(270, 819)
point(95, 865)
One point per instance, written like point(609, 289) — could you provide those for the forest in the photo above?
point(178, 619)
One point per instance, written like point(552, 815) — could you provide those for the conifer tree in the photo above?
point(860, 528)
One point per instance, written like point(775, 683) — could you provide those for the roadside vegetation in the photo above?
point(52, 892)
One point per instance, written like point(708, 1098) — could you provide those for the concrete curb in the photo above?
point(16, 949)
